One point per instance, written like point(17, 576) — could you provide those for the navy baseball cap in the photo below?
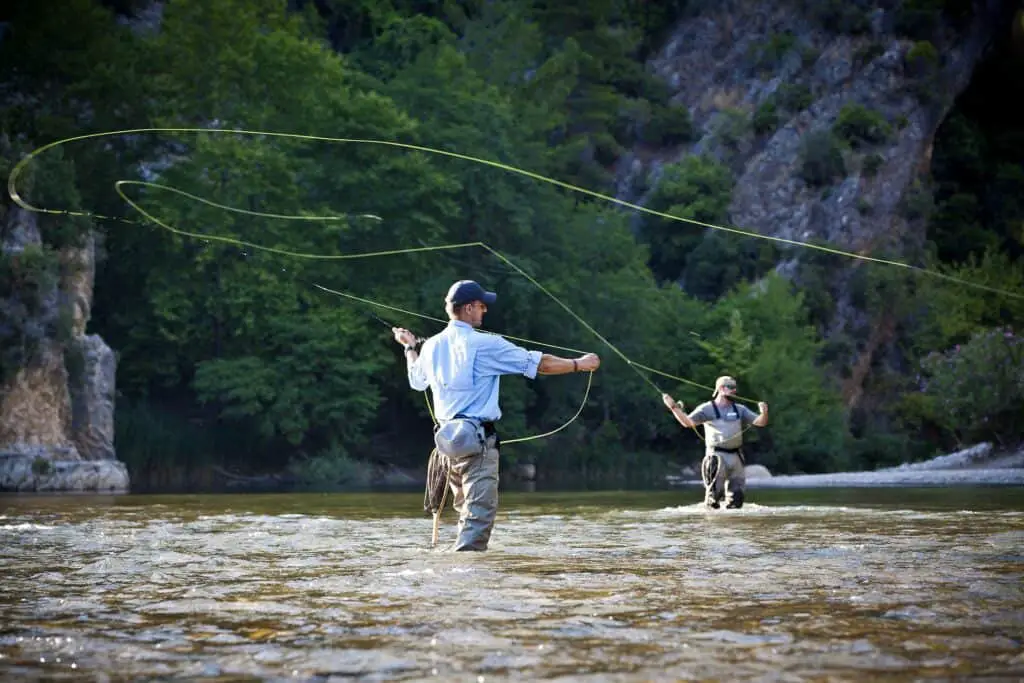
point(464, 291)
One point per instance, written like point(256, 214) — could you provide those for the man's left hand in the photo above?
point(763, 407)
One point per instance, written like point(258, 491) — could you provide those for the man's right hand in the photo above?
point(404, 336)
point(669, 402)
point(588, 362)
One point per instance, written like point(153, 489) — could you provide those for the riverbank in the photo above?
point(977, 465)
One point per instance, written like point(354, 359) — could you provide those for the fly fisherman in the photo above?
point(723, 420)
point(462, 367)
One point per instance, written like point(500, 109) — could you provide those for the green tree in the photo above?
point(765, 333)
point(697, 188)
point(976, 390)
point(240, 322)
point(311, 381)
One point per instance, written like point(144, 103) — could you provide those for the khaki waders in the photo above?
point(474, 483)
point(724, 478)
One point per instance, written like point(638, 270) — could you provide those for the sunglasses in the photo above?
point(729, 386)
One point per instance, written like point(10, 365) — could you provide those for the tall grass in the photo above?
point(162, 449)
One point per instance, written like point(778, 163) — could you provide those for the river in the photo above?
point(800, 585)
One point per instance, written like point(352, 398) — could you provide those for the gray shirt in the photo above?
point(724, 431)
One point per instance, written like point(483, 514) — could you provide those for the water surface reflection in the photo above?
point(801, 585)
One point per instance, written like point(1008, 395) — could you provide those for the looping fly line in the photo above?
point(637, 367)
point(487, 162)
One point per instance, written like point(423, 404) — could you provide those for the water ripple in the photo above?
point(598, 588)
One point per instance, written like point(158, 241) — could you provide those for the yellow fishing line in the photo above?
point(248, 212)
point(637, 367)
point(11, 182)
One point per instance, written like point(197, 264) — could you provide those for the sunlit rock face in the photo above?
point(57, 407)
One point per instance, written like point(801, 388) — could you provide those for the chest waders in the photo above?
point(455, 439)
point(711, 472)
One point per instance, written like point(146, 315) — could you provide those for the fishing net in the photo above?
point(436, 491)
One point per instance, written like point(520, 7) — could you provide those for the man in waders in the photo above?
point(723, 420)
point(462, 367)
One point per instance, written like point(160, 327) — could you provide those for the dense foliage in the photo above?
point(229, 355)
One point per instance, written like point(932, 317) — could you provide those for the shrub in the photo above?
point(789, 98)
point(821, 159)
point(978, 387)
point(871, 164)
point(332, 469)
point(41, 466)
point(634, 116)
point(859, 126)
point(669, 125)
point(769, 53)
point(793, 97)
point(731, 128)
point(923, 50)
point(30, 275)
point(918, 203)
point(606, 149)
point(766, 117)
point(809, 55)
point(922, 58)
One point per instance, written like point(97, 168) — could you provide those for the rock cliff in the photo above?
point(826, 113)
point(57, 400)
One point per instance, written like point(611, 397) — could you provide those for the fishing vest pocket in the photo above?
point(460, 438)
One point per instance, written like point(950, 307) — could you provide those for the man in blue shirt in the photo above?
point(462, 367)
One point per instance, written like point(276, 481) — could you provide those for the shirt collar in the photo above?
point(459, 323)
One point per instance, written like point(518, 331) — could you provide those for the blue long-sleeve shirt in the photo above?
point(462, 367)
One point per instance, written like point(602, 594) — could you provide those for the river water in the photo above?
point(802, 585)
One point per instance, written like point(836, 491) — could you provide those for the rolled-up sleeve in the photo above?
point(417, 378)
point(498, 356)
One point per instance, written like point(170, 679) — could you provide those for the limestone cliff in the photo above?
point(57, 405)
point(762, 80)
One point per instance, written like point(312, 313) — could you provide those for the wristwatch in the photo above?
point(409, 347)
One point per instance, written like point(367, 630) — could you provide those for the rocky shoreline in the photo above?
point(45, 471)
point(975, 466)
